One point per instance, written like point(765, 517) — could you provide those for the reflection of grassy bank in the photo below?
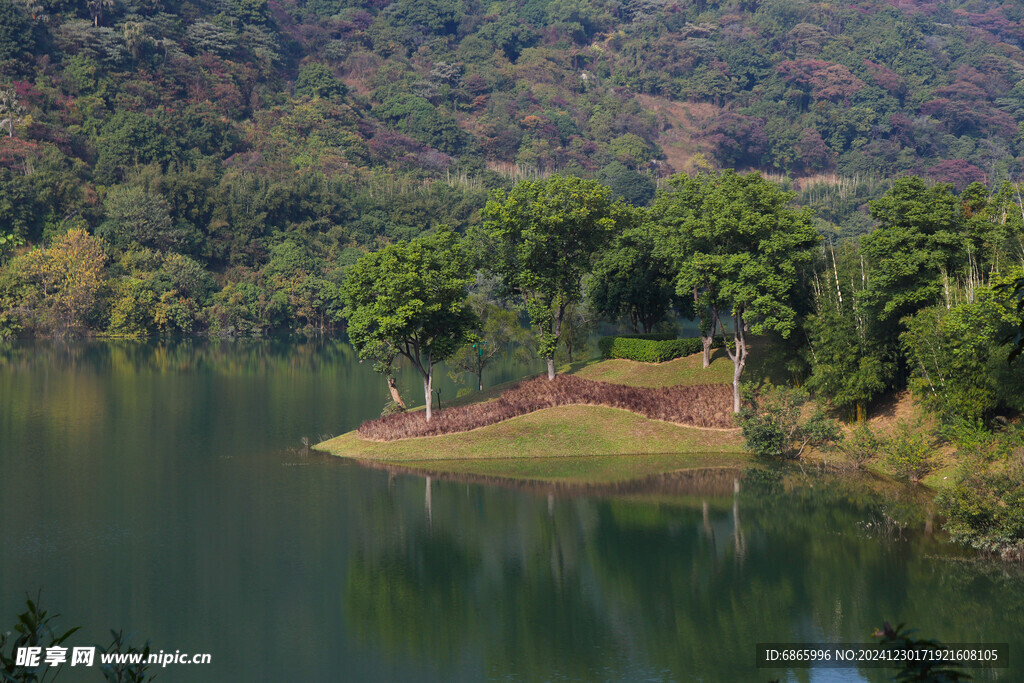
point(582, 474)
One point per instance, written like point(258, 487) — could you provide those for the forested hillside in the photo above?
point(173, 167)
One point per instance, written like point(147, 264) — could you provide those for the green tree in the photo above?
point(129, 138)
point(633, 280)
point(957, 361)
point(417, 117)
point(631, 186)
point(489, 340)
point(849, 367)
point(736, 239)
point(8, 242)
point(1015, 289)
point(11, 111)
point(16, 35)
point(317, 80)
point(412, 298)
point(426, 16)
point(546, 234)
point(254, 12)
point(919, 237)
point(96, 8)
point(136, 217)
point(673, 213)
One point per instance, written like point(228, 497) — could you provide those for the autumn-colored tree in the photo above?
point(59, 284)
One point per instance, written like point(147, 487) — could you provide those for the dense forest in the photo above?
point(172, 168)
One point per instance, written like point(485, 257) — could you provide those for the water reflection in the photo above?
point(591, 582)
point(159, 489)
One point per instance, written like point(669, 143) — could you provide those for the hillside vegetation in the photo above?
point(216, 167)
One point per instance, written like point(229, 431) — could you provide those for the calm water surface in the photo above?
point(164, 490)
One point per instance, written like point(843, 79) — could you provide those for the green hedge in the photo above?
point(657, 350)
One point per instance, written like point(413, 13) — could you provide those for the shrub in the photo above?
point(861, 445)
point(772, 427)
point(908, 453)
point(652, 348)
point(392, 407)
point(986, 511)
point(699, 406)
point(916, 667)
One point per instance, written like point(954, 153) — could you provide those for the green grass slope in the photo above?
point(562, 431)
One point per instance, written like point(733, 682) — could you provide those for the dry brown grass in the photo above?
point(696, 406)
point(683, 125)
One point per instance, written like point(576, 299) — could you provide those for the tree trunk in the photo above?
point(558, 334)
point(706, 339)
point(393, 388)
point(736, 372)
point(738, 355)
point(739, 361)
point(428, 388)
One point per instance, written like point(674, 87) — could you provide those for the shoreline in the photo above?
point(566, 443)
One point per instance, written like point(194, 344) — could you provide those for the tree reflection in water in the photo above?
point(541, 580)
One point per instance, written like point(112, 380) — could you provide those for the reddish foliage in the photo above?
point(27, 93)
point(812, 152)
point(392, 146)
point(476, 85)
point(826, 80)
point(993, 21)
point(958, 172)
point(962, 90)
point(707, 405)
point(738, 140)
point(962, 117)
point(16, 153)
point(885, 78)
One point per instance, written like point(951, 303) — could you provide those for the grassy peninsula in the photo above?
point(551, 443)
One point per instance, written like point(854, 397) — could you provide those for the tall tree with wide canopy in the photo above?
point(737, 239)
point(921, 235)
point(632, 278)
point(410, 299)
point(545, 235)
point(674, 210)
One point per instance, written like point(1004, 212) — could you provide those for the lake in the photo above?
point(165, 490)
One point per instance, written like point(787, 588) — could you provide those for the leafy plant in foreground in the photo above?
point(35, 628)
point(918, 670)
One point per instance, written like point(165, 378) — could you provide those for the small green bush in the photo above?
point(653, 348)
point(861, 446)
point(986, 511)
point(908, 453)
point(391, 408)
point(772, 426)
